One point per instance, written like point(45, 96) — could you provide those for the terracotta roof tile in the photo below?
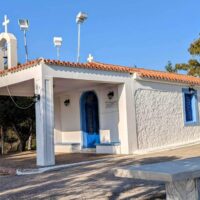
point(143, 73)
point(20, 67)
point(151, 74)
point(92, 65)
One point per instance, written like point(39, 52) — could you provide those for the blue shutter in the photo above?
point(188, 107)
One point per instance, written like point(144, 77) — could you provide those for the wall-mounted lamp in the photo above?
point(191, 90)
point(67, 102)
point(110, 95)
point(36, 98)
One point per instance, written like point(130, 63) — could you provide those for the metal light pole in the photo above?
point(58, 53)
point(80, 18)
point(24, 25)
point(79, 42)
point(25, 46)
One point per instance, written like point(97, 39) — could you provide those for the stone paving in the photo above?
point(94, 181)
point(27, 159)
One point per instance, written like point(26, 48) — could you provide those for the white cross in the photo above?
point(5, 23)
point(90, 58)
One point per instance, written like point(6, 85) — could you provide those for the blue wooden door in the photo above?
point(90, 119)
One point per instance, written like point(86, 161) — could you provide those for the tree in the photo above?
point(193, 66)
point(170, 68)
point(10, 141)
point(22, 121)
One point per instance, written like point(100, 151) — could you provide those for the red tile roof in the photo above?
point(166, 76)
point(143, 73)
point(89, 65)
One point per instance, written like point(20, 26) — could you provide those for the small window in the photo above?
point(190, 106)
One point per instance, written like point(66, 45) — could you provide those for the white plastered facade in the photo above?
point(144, 115)
point(59, 124)
point(160, 116)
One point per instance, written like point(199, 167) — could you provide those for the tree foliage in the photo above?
point(170, 68)
point(194, 48)
point(193, 66)
point(10, 140)
point(21, 121)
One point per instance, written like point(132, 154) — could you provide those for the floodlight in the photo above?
point(80, 18)
point(24, 24)
point(57, 43)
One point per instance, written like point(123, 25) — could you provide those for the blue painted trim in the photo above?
point(194, 104)
point(89, 140)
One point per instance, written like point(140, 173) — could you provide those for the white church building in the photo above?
point(108, 108)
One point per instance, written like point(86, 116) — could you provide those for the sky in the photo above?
point(145, 33)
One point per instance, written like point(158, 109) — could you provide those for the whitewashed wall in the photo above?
point(57, 121)
point(125, 125)
point(159, 116)
point(68, 121)
point(108, 113)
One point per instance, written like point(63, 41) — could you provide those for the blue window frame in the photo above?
point(190, 106)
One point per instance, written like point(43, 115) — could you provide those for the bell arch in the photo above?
point(8, 51)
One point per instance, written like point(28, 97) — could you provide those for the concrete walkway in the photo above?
point(11, 163)
point(93, 181)
point(27, 159)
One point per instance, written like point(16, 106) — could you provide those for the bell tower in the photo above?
point(8, 48)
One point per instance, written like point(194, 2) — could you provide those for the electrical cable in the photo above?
point(15, 103)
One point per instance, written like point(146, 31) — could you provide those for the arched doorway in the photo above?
point(90, 119)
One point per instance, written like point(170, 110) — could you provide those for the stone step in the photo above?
point(88, 150)
point(67, 147)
